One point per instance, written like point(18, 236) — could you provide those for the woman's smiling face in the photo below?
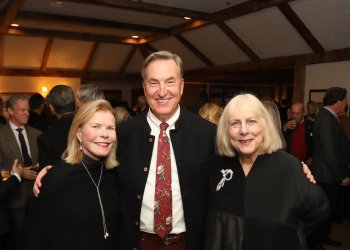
point(98, 135)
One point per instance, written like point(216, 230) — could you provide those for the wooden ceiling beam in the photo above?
point(279, 62)
point(144, 51)
point(69, 74)
point(287, 62)
point(195, 51)
point(127, 59)
point(90, 57)
point(245, 8)
point(282, 75)
point(1, 51)
point(63, 21)
point(238, 41)
point(145, 7)
point(10, 13)
point(299, 25)
point(46, 55)
point(70, 35)
point(220, 16)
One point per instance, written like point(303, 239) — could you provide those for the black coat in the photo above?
point(331, 149)
point(193, 145)
point(6, 187)
point(53, 142)
point(267, 210)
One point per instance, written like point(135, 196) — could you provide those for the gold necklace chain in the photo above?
point(105, 232)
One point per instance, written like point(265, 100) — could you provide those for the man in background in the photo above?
point(18, 141)
point(37, 107)
point(298, 134)
point(331, 154)
point(53, 142)
point(87, 93)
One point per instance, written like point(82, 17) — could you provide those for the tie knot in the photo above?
point(19, 130)
point(163, 126)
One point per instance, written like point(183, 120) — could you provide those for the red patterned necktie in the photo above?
point(163, 197)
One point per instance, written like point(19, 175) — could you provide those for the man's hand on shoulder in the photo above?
point(37, 183)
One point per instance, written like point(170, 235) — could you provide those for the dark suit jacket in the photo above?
point(308, 137)
point(331, 149)
point(53, 142)
point(193, 145)
point(37, 121)
point(6, 188)
point(9, 151)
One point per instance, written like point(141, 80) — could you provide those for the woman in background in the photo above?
point(211, 112)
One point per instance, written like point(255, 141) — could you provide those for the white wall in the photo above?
point(325, 75)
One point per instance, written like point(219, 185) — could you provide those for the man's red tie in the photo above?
point(163, 196)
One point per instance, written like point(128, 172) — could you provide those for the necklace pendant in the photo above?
point(106, 235)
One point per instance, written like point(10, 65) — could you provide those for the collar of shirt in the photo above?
point(14, 127)
point(154, 122)
point(331, 110)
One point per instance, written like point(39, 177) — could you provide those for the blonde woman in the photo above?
point(78, 207)
point(259, 197)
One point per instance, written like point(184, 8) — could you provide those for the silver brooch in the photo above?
point(226, 176)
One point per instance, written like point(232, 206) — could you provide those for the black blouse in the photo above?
point(67, 214)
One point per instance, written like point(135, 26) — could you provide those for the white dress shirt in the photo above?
point(15, 132)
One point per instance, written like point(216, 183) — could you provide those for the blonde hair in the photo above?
point(211, 112)
point(247, 103)
point(73, 154)
point(272, 109)
point(162, 55)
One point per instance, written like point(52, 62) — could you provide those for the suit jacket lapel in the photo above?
point(32, 144)
point(12, 142)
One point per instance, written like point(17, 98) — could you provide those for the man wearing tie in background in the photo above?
point(18, 141)
point(331, 151)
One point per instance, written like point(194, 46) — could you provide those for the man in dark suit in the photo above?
point(8, 185)
point(53, 142)
point(37, 108)
point(331, 152)
point(298, 134)
point(191, 145)
point(18, 141)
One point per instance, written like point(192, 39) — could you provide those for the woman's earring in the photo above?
point(80, 146)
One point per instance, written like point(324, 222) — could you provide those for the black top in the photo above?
point(37, 121)
point(267, 210)
point(67, 214)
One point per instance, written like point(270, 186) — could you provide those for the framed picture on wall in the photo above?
point(316, 95)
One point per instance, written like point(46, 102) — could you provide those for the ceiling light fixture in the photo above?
point(14, 25)
point(187, 18)
point(135, 36)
